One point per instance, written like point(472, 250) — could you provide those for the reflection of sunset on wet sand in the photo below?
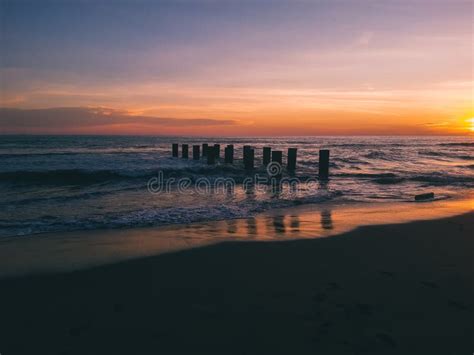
point(47, 252)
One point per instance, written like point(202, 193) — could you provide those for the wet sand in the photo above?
point(384, 289)
point(60, 252)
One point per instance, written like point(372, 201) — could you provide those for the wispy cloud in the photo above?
point(281, 68)
point(71, 118)
point(364, 38)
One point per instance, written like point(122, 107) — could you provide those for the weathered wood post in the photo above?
point(204, 149)
point(229, 154)
point(246, 149)
point(277, 156)
point(185, 151)
point(175, 150)
point(267, 155)
point(291, 163)
point(249, 159)
point(275, 171)
point(324, 164)
point(196, 152)
point(211, 159)
point(246, 154)
point(217, 151)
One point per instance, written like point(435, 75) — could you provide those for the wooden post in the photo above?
point(246, 154)
point(277, 156)
point(229, 154)
point(204, 149)
point(196, 152)
point(275, 172)
point(291, 163)
point(217, 151)
point(267, 155)
point(324, 164)
point(185, 151)
point(246, 149)
point(211, 159)
point(175, 150)
point(249, 159)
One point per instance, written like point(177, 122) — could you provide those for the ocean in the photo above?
point(65, 183)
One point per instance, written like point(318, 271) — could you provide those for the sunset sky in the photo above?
point(237, 67)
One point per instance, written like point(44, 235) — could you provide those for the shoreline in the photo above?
point(383, 289)
point(75, 250)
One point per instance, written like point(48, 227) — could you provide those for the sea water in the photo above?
point(63, 183)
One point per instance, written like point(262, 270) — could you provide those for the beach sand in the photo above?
point(383, 289)
point(76, 250)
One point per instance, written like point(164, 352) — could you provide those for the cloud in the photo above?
point(79, 118)
point(436, 124)
point(364, 38)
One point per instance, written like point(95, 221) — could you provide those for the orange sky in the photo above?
point(322, 68)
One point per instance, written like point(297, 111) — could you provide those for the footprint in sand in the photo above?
point(458, 305)
point(429, 284)
point(333, 286)
point(351, 311)
point(320, 297)
point(324, 327)
point(387, 273)
point(365, 309)
point(386, 339)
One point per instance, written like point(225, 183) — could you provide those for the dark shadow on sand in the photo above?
point(395, 289)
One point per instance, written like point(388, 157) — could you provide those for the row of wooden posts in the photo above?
point(212, 153)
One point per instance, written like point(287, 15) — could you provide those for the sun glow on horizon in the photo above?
point(237, 69)
point(470, 121)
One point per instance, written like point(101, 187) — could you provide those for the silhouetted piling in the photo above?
point(211, 159)
point(205, 146)
point(247, 149)
point(217, 151)
point(291, 163)
point(185, 151)
point(275, 171)
point(245, 152)
point(277, 156)
point(249, 159)
point(267, 155)
point(196, 152)
point(175, 150)
point(229, 154)
point(324, 164)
